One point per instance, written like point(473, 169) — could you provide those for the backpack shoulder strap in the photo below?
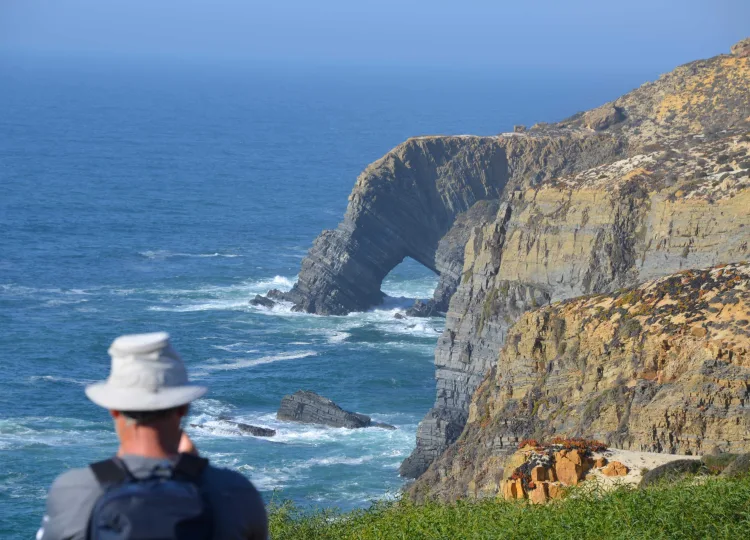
point(189, 467)
point(110, 471)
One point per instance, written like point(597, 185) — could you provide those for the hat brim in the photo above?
point(134, 399)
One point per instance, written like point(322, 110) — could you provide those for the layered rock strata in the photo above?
point(404, 204)
point(663, 367)
point(689, 128)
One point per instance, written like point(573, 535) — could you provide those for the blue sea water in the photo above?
point(139, 197)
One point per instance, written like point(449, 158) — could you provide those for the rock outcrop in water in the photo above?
point(677, 201)
point(245, 429)
point(311, 408)
point(663, 367)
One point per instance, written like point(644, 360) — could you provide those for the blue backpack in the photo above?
point(168, 505)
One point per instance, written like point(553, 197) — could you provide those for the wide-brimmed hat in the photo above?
point(147, 375)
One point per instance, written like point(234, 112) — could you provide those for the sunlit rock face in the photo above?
point(662, 367)
point(648, 184)
point(675, 198)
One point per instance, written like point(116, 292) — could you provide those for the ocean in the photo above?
point(143, 196)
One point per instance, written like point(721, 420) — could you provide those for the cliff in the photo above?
point(405, 203)
point(667, 206)
point(650, 183)
point(663, 367)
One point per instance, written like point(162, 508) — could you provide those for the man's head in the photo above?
point(147, 392)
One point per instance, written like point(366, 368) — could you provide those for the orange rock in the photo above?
point(600, 462)
point(569, 467)
point(538, 474)
point(513, 489)
point(538, 495)
point(554, 491)
point(615, 469)
point(699, 331)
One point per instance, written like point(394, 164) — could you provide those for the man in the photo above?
point(147, 394)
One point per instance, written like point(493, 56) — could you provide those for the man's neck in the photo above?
point(148, 443)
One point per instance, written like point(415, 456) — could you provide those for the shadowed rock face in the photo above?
point(404, 204)
point(401, 206)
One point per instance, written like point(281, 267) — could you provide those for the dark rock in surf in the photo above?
point(310, 408)
point(249, 429)
point(262, 301)
point(423, 309)
point(257, 431)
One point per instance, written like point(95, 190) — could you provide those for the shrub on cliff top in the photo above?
point(717, 508)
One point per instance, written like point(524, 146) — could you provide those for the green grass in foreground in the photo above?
point(715, 508)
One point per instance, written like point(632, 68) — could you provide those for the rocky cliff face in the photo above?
point(663, 367)
point(404, 204)
point(677, 201)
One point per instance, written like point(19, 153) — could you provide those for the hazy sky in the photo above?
point(574, 34)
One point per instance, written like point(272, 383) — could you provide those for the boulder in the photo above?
point(257, 431)
point(519, 128)
point(600, 462)
point(538, 495)
point(672, 471)
point(513, 489)
point(603, 117)
point(555, 491)
point(310, 408)
point(248, 429)
point(739, 467)
point(569, 467)
point(423, 309)
point(717, 463)
point(262, 301)
point(615, 468)
point(741, 48)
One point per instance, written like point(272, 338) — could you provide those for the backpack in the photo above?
point(168, 505)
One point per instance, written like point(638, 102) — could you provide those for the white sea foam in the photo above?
point(240, 346)
point(211, 407)
point(410, 288)
point(235, 297)
point(242, 363)
point(338, 337)
point(51, 431)
point(56, 379)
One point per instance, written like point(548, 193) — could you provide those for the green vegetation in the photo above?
point(715, 508)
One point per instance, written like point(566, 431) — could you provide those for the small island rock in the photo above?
point(310, 408)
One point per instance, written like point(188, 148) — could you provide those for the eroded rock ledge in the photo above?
point(663, 367)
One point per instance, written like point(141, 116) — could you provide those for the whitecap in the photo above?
point(410, 288)
point(235, 297)
point(54, 378)
point(252, 362)
point(211, 407)
point(339, 460)
point(338, 337)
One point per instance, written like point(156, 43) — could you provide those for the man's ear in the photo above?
point(115, 414)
